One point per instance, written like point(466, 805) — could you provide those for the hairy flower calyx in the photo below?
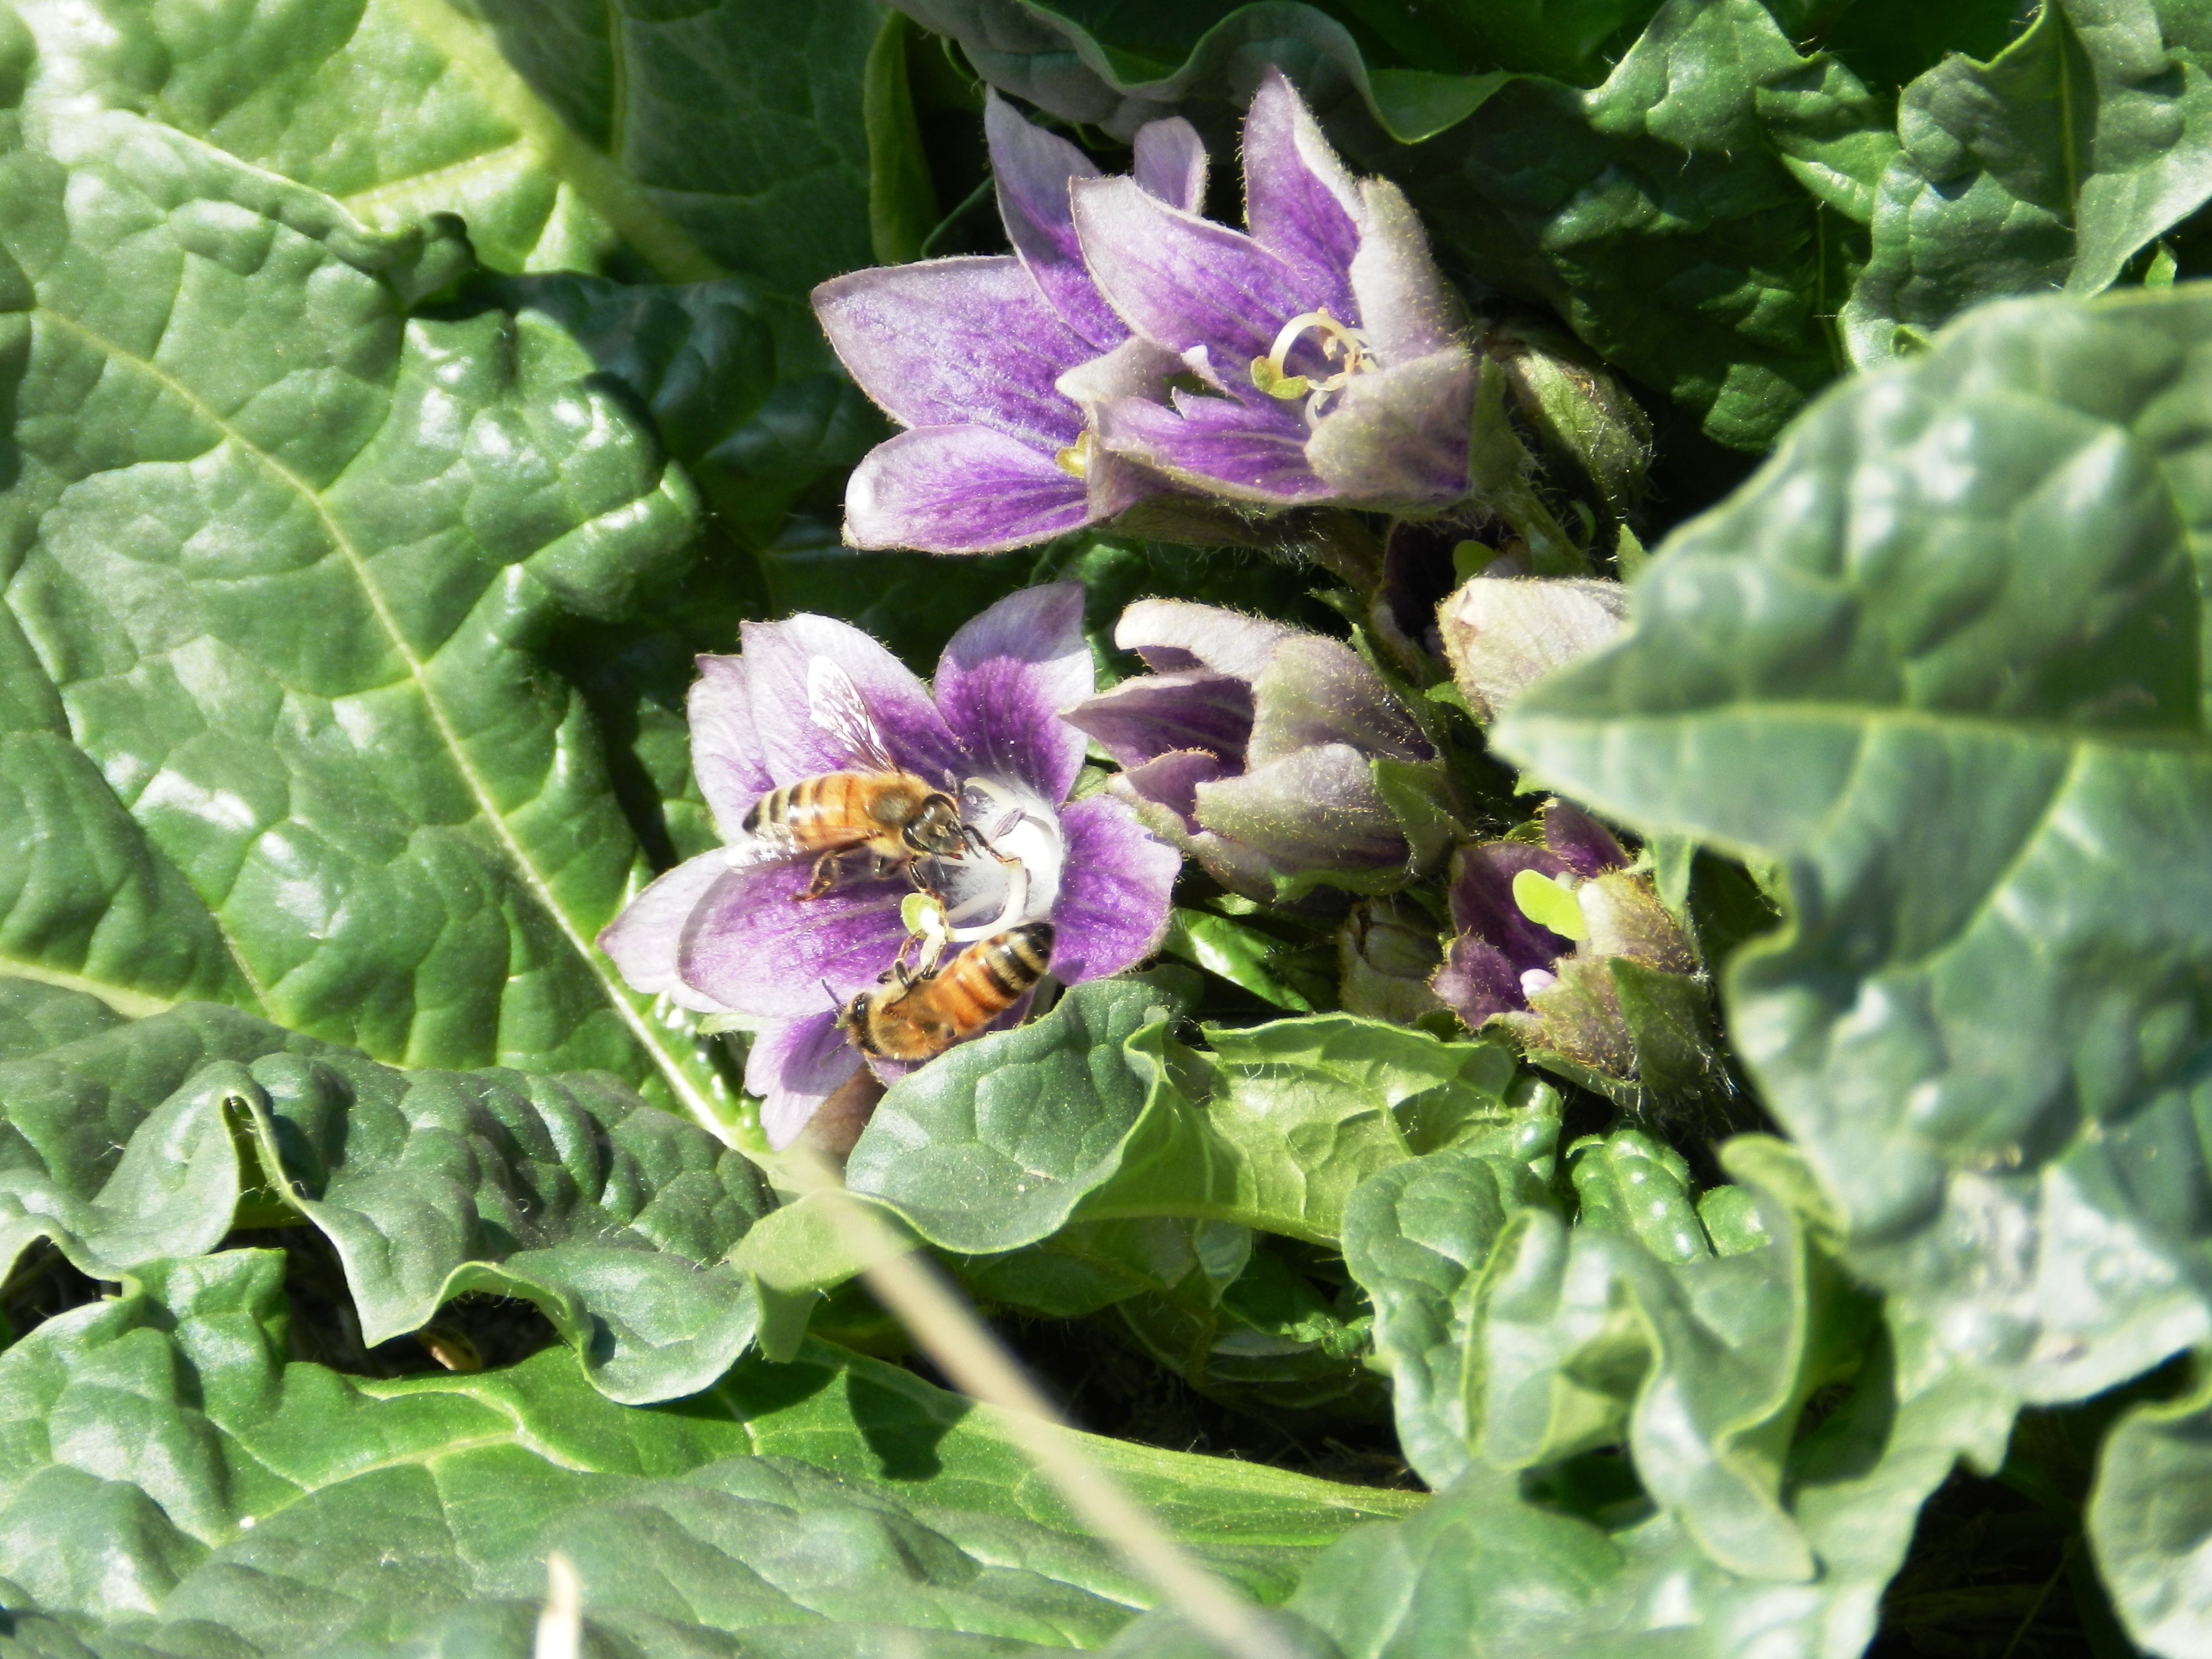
point(1339, 344)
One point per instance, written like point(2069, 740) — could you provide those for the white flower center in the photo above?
point(1340, 344)
point(984, 896)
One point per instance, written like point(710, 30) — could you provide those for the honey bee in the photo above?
point(864, 822)
point(915, 1018)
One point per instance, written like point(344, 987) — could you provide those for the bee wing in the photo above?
point(833, 701)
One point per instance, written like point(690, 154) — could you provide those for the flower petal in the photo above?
point(1503, 634)
point(1182, 281)
point(795, 743)
point(643, 940)
point(1171, 163)
point(1170, 781)
point(1216, 445)
point(1004, 679)
point(1406, 309)
point(1315, 691)
point(1300, 202)
point(1112, 911)
point(725, 750)
point(755, 947)
point(954, 342)
point(1314, 810)
point(1397, 436)
point(1173, 634)
point(1483, 906)
point(1583, 844)
point(793, 1069)
point(1477, 981)
point(1134, 368)
point(1153, 715)
point(1031, 168)
point(960, 490)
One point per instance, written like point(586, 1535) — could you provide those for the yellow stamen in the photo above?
point(1075, 459)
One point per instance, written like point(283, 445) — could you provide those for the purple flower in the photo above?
point(968, 352)
point(728, 932)
point(1253, 747)
point(1325, 344)
point(1501, 953)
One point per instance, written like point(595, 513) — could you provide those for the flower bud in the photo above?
point(1501, 634)
point(1387, 952)
point(1254, 748)
point(1580, 414)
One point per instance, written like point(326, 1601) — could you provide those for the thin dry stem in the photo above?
point(946, 1328)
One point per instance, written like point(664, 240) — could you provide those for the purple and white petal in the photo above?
point(1314, 810)
point(1315, 691)
point(1112, 911)
point(1180, 634)
point(796, 742)
point(1405, 309)
point(793, 1068)
point(755, 947)
point(1134, 368)
point(644, 941)
point(1216, 445)
point(1114, 484)
point(1170, 163)
point(960, 490)
point(1300, 202)
point(1583, 845)
point(1183, 281)
point(1154, 715)
point(956, 341)
point(725, 750)
point(1397, 436)
point(1031, 168)
point(1477, 981)
point(1004, 679)
point(1170, 782)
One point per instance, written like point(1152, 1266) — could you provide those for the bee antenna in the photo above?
point(835, 1001)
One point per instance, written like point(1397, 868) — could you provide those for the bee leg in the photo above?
point(824, 877)
point(974, 837)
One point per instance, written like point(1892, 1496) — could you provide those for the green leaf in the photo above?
point(1095, 1114)
point(2049, 166)
point(139, 1140)
point(1970, 732)
point(1238, 953)
point(1415, 1238)
point(1634, 1186)
point(2149, 1520)
point(902, 200)
point(167, 1480)
point(712, 140)
point(270, 724)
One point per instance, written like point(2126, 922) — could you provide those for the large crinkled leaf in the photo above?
point(1940, 661)
point(1693, 217)
point(716, 139)
point(1095, 1113)
point(1569, 1558)
point(2047, 167)
point(169, 1485)
point(134, 1140)
point(271, 725)
point(1416, 1237)
point(2149, 1521)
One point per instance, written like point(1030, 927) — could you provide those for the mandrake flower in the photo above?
point(1320, 352)
point(966, 353)
point(1252, 746)
point(729, 932)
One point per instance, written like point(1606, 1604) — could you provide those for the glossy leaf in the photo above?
point(1095, 1114)
point(139, 1140)
point(270, 725)
point(712, 140)
point(2047, 166)
point(1968, 726)
point(2150, 1522)
point(168, 1484)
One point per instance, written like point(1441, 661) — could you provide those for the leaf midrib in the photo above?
point(2195, 745)
point(615, 995)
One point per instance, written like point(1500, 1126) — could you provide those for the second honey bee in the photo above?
point(864, 822)
point(916, 1018)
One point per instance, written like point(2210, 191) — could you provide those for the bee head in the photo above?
point(936, 828)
